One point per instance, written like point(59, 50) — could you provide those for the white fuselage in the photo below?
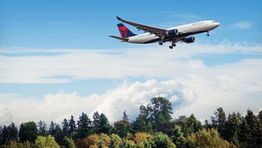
point(183, 30)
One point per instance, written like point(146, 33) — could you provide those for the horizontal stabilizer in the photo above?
point(119, 38)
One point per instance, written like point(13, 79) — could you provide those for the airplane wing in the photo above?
point(154, 30)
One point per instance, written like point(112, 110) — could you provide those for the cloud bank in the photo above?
point(182, 76)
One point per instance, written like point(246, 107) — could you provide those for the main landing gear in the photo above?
point(160, 43)
point(208, 33)
point(172, 45)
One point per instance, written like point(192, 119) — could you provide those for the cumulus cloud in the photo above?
point(125, 97)
point(189, 83)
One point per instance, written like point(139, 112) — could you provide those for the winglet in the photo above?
point(119, 18)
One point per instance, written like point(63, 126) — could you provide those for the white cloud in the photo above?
point(242, 25)
point(125, 97)
point(235, 87)
point(68, 65)
point(191, 85)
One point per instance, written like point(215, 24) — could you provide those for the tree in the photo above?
point(254, 128)
point(161, 111)
point(83, 126)
point(245, 136)
point(125, 117)
point(115, 141)
point(142, 122)
point(42, 129)
point(46, 142)
point(163, 141)
point(9, 133)
point(188, 125)
point(143, 139)
point(232, 128)
point(219, 121)
point(65, 128)
point(122, 128)
point(58, 135)
point(69, 143)
point(72, 125)
point(100, 124)
point(28, 131)
point(207, 138)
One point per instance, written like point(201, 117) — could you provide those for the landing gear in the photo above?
point(160, 43)
point(207, 33)
point(173, 45)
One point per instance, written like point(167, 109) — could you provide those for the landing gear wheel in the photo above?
point(171, 47)
point(207, 33)
point(160, 43)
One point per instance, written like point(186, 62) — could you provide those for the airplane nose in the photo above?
point(216, 24)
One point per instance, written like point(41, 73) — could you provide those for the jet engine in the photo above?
point(190, 39)
point(172, 32)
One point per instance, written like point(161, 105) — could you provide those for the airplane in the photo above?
point(175, 34)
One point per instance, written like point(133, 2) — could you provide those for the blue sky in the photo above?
point(87, 24)
point(60, 49)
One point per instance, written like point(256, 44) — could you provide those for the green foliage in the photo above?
point(163, 141)
point(69, 143)
point(65, 128)
point(15, 144)
point(143, 139)
point(72, 125)
point(152, 128)
point(83, 126)
point(101, 124)
point(42, 128)
point(207, 138)
point(28, 131)
point(219, 121)
point(9, 133)
point(46, 142)
point(115, 141)
point(122, 128)
point(128, 143)
point(188, 125)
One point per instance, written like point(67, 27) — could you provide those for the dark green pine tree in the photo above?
point(9, 133)
point(28, 131)
point(51, 128)
point(259, 129)
point(125, 117)
point(83, 126)
point(72, 125)
point(245, 136)
point(253, 124)
point(219, 121)
point(100, 124)
point(42, 128)
point(65, 128)
point(232, 128)
point(58, 135)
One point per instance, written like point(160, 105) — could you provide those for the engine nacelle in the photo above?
point(190, 39)
point(172, 32)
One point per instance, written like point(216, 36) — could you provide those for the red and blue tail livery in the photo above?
point(124, 31)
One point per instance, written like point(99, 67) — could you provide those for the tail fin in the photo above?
point(124, 31)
